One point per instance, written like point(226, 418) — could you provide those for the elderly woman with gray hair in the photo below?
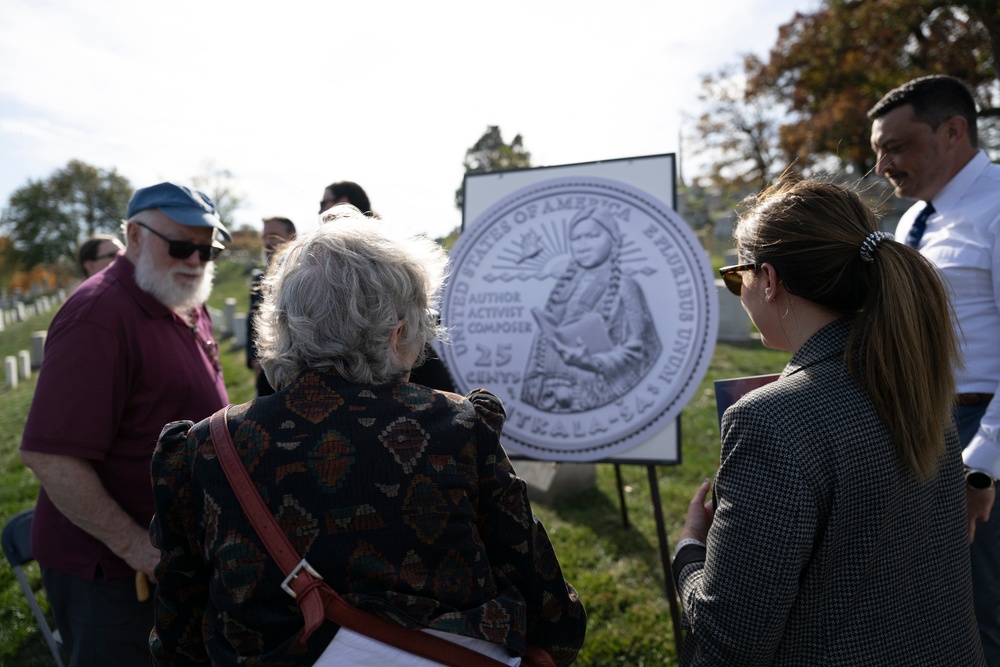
point(400, 496)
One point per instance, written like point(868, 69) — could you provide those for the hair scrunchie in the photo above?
point(870, 242)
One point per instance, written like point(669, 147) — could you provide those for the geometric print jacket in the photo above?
point(400, 496)
point(824, 548)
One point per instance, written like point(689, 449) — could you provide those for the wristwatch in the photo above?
point(976, 479)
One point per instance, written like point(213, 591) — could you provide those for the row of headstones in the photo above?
point(228, 322)
point(21, 312)
point(19, 367)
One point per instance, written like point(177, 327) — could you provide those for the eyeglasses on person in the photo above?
point(183, 249)
point(732, 278)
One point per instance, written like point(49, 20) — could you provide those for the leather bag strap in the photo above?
point(316, 599)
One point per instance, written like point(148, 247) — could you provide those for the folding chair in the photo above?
point(16, 540)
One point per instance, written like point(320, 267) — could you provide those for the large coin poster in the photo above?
point(588, 306)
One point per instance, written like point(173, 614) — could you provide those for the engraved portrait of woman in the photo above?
point(596, 337)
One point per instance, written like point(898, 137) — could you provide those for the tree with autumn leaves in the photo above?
point(47, 218)
point(805, 107)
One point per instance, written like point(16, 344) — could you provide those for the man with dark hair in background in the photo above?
point(925, 137)
point(97, 252)
point(345, 192)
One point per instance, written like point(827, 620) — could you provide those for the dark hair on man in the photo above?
point(354, 193)
point(88, 249)
point(934, 99)
point(289, 225)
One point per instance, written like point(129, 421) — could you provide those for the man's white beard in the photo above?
point(169, 292)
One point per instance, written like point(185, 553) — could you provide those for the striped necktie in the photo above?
point(919, 225)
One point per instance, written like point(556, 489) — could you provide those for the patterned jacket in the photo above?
point(400, 496)
point(824, 549)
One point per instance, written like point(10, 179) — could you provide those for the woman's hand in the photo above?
point(699, 515)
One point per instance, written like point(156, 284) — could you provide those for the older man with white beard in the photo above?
point(130, 350)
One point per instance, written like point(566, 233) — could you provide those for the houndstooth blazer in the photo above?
point(824, 549)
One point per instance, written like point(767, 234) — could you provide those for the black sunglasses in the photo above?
point(183, 249)
point(732, 278)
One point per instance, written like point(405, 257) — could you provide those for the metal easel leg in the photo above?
point(668, 575)
point(621, 495)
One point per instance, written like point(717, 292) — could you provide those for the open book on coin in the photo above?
point(588, 331)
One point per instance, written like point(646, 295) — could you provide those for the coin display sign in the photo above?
point(589, 307)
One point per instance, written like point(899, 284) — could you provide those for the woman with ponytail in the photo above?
point(837, 531)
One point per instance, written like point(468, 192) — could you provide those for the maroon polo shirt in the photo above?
point(118, 365)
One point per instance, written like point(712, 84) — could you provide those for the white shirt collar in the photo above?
point(954, 190)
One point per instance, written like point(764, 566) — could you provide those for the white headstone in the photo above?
point(230, 316)
point(19, 308)
point(10, 366)
point(734, 323)
point(548, 481)
point(24, 364)
point(240, 331)
point(38, 348)
point(217, 323)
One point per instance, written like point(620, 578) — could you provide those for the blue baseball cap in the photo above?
point(182, 205)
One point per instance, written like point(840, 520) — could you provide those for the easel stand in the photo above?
point(661, 534)
point(650, 458)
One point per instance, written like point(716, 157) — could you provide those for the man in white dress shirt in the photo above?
point(924, 135)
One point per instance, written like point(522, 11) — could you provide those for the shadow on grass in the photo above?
point(616, 570)
point(602, 515)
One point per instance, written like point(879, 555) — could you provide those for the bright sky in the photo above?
point(291, 96)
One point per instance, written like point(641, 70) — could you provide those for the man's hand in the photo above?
point(76, 490)
point(139, 553)
point(980, 502)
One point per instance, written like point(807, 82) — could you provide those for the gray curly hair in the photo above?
point(333, 298)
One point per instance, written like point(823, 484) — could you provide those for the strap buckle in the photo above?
point(303, 565)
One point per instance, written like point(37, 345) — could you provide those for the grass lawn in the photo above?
point(617, 571)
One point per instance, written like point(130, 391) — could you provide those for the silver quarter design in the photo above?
point(587, 306)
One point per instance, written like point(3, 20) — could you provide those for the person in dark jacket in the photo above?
point(277, 231)
point(837, 534)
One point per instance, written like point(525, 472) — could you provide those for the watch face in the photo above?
point(979, 480)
